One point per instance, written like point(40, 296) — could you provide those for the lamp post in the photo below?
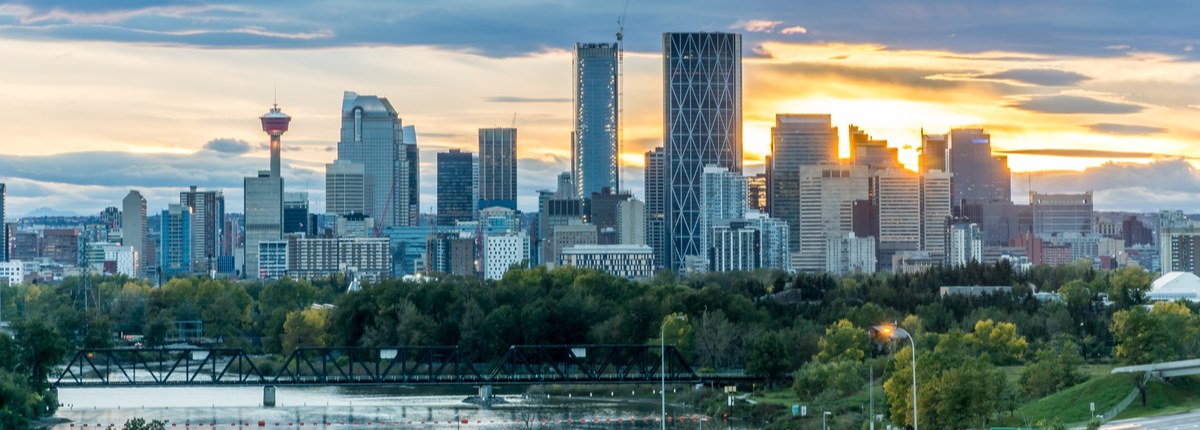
point(890, 332)
point(825, 424)
point(662, 367)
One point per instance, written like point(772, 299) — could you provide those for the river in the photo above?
point(353, 408)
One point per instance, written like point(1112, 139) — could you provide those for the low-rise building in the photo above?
point(626, 261)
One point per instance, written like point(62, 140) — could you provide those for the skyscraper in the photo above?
point(454, 187)
point(656, 204)
point(935, 212)
point(722, 199)
point(498, 167)
point(3, 226)
point(873, 152)
point(978, 175)
point(347, 190)
point(796, 140)
point(702, 125)
point(1061, 213)
point(897, 194)
point(208, 218)
point(412, 160)
point(595, 149)
point(933, 152)
point(373, 135)
point(175, 249)
point(263, 198)
point(295, 212)
point(133, 226)
point(826, 209)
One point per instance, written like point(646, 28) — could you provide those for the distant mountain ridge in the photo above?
point(45, 211)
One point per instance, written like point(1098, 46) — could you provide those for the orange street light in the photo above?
point(890, 332)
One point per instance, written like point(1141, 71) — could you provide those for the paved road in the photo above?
point(1190, 420)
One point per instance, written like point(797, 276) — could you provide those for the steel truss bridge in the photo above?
point(401, 365)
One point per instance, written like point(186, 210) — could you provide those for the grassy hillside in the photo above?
point(1167, 397)
point(1072, 405)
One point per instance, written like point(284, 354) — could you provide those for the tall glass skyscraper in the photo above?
point(455, 188)
point(594, 149)
point(702, 125)
point(796, 140)
point(978, 175)
point(3, 227)
point(498, 168)
point(373, 136)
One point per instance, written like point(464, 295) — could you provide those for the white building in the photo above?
point(722, 199)
point(935, 211)
point(272, 259)
point(774, 240)
point(965, 245)
point(735, 247)
point(626, 261)
point(850, 254)
point(827, 195)
point(125, 259)
point(631, 222)
point(898, 197)
point(12, 272)
point(1175, 286)
point(502, 251)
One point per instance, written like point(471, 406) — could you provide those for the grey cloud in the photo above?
point(226, 145)
point(1042, 77)
point(504, 29)
point(1066, 104)
point(1161, 184)
point(1087, 153)
point(1125, 129)
point(204, 168)
point(518, 99)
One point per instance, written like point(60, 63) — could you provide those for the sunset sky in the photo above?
point(100, 97)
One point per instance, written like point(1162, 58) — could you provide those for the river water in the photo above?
point(354, 408)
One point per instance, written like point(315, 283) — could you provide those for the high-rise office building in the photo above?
point(372, 135)
point(874, 153)
point(935, 212)
point(978, 175)
point(347, 190)
point(451, 254)
point(602, 212)
point(412, 160)
point(175, 240)
point(773, 240)
point(61, 245)
point(722, 199)
point(796, 140)
point(965, 244)
point(826, 209)
point(208, 218)
point(3, 226)
point(898, 196)
point(454, 187)
point(1061, 213)
point(594, 147)
point(133, 225)
point(756, 192)
point(498, 168)
point(735, 246)
point(702, 125)
point(263, 197)
point(655, 188)
point(933, 152)
point(631, 222)
point(295, 212)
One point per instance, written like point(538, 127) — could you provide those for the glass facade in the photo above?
point(595, 148)
point(454, 187)
point(978, 176)
point(702, 125)
point(498, 168)
point(373, 135)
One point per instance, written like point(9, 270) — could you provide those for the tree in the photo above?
point(1145, 337)
point(954, 389)
point(309, 327)
point(1000, 341)
point(843, 342)
point(40, 348)
point(679, 333)
point(817, 380)
point(768, 358)
point(1128, 286)
point(1054, 368)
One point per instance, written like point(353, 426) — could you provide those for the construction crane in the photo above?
point(621, 93)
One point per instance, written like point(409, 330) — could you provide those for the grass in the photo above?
point(1166, 397)
point(1072, 404)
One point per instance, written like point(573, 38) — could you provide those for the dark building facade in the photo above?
point(978, 175)
point(455, 194)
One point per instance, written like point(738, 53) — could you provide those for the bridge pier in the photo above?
point(269, 396)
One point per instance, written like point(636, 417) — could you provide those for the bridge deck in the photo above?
point(1167, 369)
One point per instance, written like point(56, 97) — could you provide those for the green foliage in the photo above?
point(309, 327)
point(769, 357)
point(141, 424)
point(1128, 286)
point(843, 342)
point(954, 389)
point(1055, 368)
point(823, 381)
point(1000, 341)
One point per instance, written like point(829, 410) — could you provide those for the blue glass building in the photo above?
point(594, 147)
point(702, 110)
point(498, 168)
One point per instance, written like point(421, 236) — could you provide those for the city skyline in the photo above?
point(1112, 91)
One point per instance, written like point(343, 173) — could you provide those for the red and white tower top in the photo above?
point(275, 123)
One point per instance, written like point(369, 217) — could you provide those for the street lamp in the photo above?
point(891, 332)
point(662, 367)
point(824, 424)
